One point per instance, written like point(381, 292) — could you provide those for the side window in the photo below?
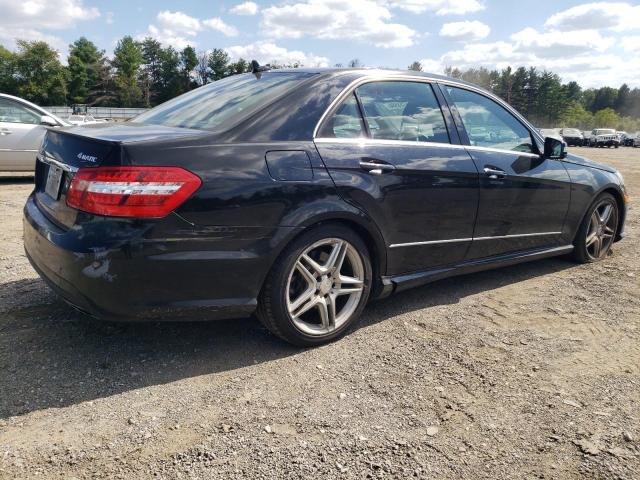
point(488, 124)
point(346, 122)
point(12, 112)
point(403, 111)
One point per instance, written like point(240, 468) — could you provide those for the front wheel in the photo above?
point(597, 231)
point(318, 287)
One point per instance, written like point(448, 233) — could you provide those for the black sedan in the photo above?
point(572, 137)
point(302, 194)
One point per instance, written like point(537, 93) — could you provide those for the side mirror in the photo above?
point(47, 120)
point(554, 148)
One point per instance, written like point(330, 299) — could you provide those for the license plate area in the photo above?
point(54, 180)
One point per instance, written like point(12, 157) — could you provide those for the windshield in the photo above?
point(571, 131)
point(222, 103)
point(605, 131)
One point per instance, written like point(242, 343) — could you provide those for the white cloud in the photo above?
point(168, 38)
point(465, 31)
point(431, 65)
point(266, 52)
point(216, 23)
point(560, 44)
point(26, 19)
point(177, 29)
point(441, 7)
point(178, 23)
point(366, 21)
point(109, 18)
point(631, 44)
point(598, 15)
point(246, 8)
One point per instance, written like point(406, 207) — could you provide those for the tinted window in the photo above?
point(488, 124)
point(220, 104)
point(13, 112)
point(403, 111)
point(346, 122)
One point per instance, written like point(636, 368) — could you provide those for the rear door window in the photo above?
point(408, 111)
point(346, 122)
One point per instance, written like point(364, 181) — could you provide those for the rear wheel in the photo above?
point(597, 231)
point(318, 287)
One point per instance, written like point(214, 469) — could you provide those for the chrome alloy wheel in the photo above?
point(602, 228)
point(325, 286)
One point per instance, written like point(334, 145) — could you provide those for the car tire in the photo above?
point(595, 236)
point(304, 300)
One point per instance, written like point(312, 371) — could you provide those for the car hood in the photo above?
point(131, 132)
point(578, 160)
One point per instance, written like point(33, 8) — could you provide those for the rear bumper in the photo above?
point(149, 278)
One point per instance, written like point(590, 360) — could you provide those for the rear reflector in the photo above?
point(149, 192)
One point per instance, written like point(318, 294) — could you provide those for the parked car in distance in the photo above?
point(22, 127)
point(572, 137)
point(629, 138)
point(81, 119)
point(604, 137)
point(586, 138)
point(300, 194)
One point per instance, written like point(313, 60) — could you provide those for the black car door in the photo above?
point(524, 197)
point(401, 168)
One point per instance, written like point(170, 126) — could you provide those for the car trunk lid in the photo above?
point(64, 151)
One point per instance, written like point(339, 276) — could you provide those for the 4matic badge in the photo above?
point(87, 158)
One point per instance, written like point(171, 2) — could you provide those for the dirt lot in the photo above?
point(527, 372)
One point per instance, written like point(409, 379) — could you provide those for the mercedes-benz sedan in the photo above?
point(302, 194)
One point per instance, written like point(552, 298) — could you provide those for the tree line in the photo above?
point(140, 74)
point(145, 74)
point(547, 102)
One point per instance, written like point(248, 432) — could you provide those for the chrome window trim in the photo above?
point(386, 76)
point(52, 161)
point(453, 240)
point(363, 141)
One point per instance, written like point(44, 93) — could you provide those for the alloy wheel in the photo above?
point(602, 228)
point(324, 286)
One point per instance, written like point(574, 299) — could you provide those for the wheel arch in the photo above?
point(361, 225)
point(619, 196)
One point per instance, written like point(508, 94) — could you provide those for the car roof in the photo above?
point(372, 72)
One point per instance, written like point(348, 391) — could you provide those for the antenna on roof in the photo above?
point(257, 69)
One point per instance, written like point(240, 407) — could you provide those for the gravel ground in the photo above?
point(531, 371)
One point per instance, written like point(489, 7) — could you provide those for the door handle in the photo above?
point(376, 167)
point(494, 173)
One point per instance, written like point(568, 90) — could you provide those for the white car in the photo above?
point(22, 127)
point(81, 119)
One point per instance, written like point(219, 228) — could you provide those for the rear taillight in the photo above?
point(131, 191)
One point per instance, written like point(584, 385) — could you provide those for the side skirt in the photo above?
point(398, 283)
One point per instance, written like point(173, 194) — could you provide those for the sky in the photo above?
point(593, 43)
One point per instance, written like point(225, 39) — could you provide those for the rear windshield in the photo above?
point(221, 104)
